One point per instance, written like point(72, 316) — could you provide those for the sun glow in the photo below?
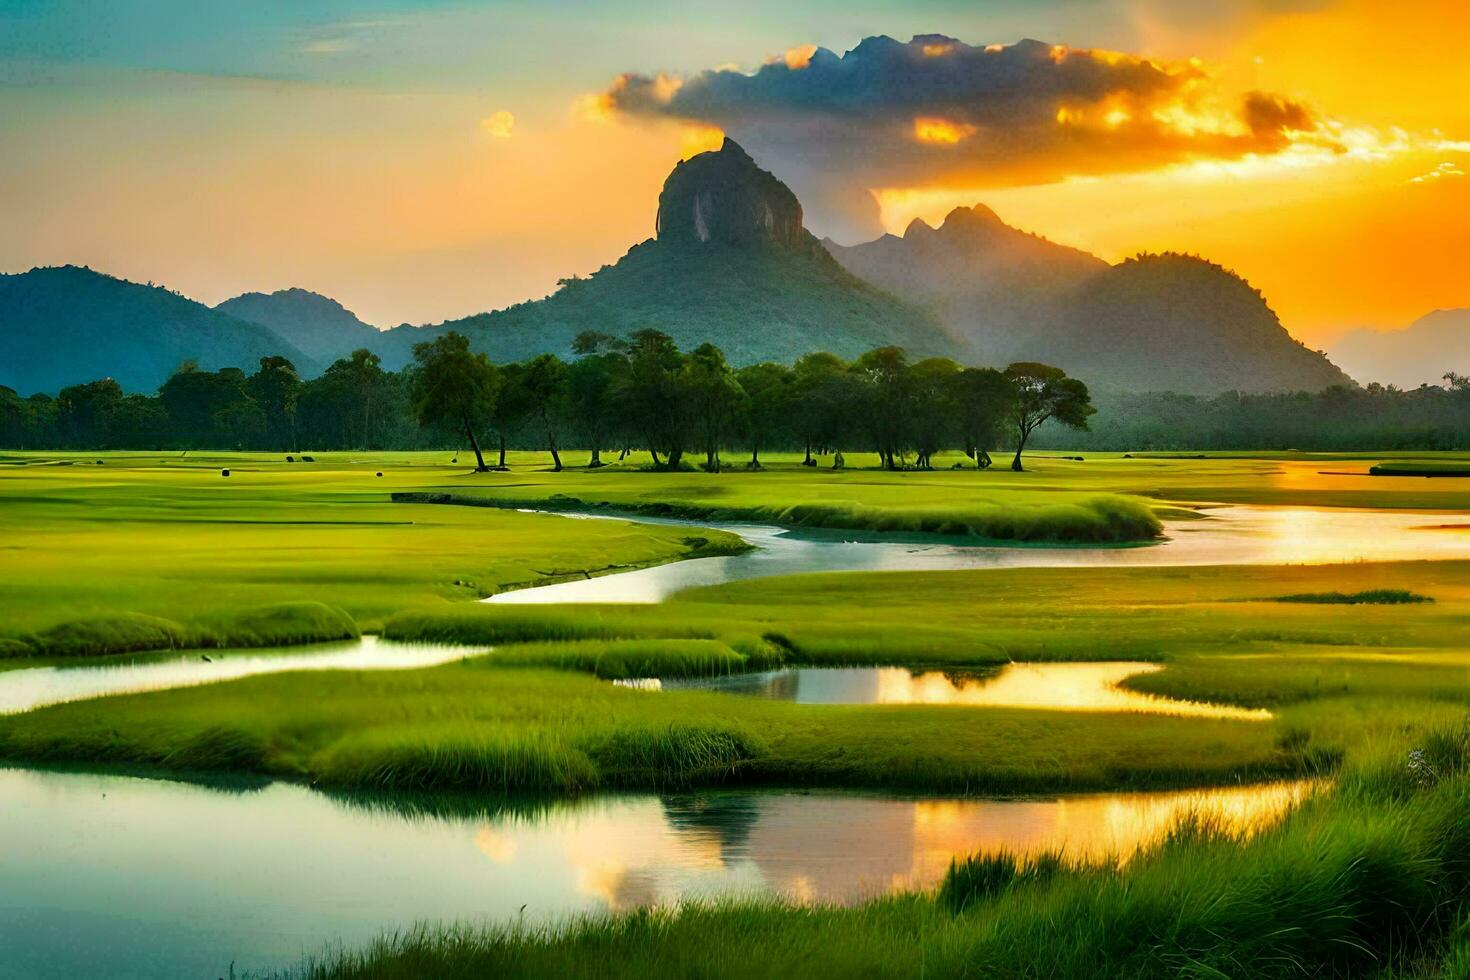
point(694, 140)
point(933, 130)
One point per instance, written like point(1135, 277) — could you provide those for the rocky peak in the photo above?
point(723, 196)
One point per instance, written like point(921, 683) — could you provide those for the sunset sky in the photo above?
point(419, 160)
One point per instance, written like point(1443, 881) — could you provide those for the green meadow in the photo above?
point(1358, 664)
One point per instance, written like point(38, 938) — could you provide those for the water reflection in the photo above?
point(257, 878)
point(24, 689)
point(1057, 687)
point(1240, 535)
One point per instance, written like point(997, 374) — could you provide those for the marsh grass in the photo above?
point(469, 727)
point(1093, 519)
point(280, 624)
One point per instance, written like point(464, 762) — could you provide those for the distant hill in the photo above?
point(316, 324)
point(1174, 322)
point(992, 285)
point(1157, 322)
point(66, 325)
point(1420, 354)
point(731, 264)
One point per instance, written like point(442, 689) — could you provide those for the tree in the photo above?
point(654, 397)
point(85, 412)
point(592, 387)
point(767, 390)
point(511, 408)
point(820, 390)
point(932, 407)
point(545, 385)
point(276, 388)
point(714, 395)
point(1043, 392)
point(885, 375)
point(454, 387)
point(982, 400)
point(194, 400)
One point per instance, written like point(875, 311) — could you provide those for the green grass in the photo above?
point(282, 624)
point(96, 556)
point(1059, 517)
point(472, 726)
point(1372, 878)
point(163, 535)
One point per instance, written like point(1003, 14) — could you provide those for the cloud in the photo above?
point(498, 124)
point(938, 111)
point(1444, 170)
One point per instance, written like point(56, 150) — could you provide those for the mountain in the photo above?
point(1156, 322)
point(731, 265)
point(316, 324)
point(66, 325)
point(1420, 354)
point(993, 285)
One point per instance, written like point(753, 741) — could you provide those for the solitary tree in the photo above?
point(454, 387)
point(1044, 392)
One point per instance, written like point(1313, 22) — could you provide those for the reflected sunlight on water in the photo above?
point(1052, 686)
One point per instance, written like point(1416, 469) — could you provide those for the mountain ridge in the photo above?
point(64, 325)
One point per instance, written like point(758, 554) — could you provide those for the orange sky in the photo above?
point(417, 196)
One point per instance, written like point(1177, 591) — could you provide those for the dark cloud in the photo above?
point(937, 111)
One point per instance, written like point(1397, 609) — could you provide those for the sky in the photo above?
point(425, 159)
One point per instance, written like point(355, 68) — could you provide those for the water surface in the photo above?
point(119, 877)
point(32, 687)
point(1239, 535)
point(1051, 686)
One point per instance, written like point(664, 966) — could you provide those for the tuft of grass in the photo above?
point(986, 875)
point(1372, 597)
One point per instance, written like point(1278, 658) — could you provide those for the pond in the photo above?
point(1052, 686)
point(124, 877)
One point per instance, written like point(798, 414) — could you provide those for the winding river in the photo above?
point(126, 877)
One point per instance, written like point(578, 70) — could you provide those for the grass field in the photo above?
point(96, 554)
point(525, 716)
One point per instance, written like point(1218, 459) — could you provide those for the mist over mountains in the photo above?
point(731, 264)
point(1420, 354)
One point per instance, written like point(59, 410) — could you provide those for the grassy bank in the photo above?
point(990, 616)
point(1372, 878)
point(1071, 518)
point(474, 727)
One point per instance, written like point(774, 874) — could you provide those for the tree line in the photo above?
point(1372, 417)
point(614, 396)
